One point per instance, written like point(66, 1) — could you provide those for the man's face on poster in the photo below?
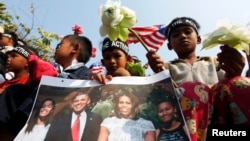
point(79, 103)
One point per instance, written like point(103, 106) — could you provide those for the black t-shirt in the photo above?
point(177, 134)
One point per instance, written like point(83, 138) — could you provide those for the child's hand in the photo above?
point(101, 78)
point(231, 61)
point(155, 61)
point(121, 72)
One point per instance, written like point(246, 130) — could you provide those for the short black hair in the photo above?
point(14, 37)
point(85, 46)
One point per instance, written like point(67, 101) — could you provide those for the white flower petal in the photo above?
point(104, 30)
point(127, 12)
point(114, 33)
point(234, 35)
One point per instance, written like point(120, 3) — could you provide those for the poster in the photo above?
point(127, 108)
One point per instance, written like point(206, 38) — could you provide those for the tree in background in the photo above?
point(41, 40)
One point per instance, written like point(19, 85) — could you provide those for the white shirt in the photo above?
point(203, 70)
point(121, 129)
point(38, 133)
point(83, 119)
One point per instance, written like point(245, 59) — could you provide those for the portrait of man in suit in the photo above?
point(78, 125)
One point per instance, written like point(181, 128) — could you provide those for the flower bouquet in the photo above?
point(234, 35)
point(117, 21)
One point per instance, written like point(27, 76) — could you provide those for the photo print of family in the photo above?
point(126, 109)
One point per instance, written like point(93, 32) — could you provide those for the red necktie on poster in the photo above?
point(75, 130)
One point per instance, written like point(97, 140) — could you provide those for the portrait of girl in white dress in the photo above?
point(38, 125)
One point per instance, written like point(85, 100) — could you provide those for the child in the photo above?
point(8, 41)
point(117, 61)
point(182, 34)
point(17, 62)
point(115, 56)
point(20, 92)
point(72, 53)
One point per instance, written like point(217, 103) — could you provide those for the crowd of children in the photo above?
point(226, 90)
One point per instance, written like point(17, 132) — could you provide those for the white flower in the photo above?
point(116, 20)
point(234, 35)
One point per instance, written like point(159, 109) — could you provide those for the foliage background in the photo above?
point(35, 37)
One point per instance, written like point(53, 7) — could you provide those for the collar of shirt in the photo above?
point(83, 116)
point(7, 48)
point(74, 65)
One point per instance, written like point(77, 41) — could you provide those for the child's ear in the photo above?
point(76, 47)
point(26, 65)
point(169, 46)
point(198, 39)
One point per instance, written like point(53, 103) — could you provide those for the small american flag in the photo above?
point(153, 36)
point(97, 67)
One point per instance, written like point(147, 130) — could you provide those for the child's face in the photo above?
point(166, 111)
point(114, 59)
point(183, 40)
point(46, 108)
point(6, 41)
point(16, 62)
point(62, 53)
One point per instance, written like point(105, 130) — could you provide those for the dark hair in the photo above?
point(136, 59)
point(21, 42)
point(32, 50)
point(180, 21)
point(173, 101)
point(34, 118)
point(85, 47)
point(80, 92)
point(3, 58)
point(135, 104)
point(170, 100)
point(14, 37)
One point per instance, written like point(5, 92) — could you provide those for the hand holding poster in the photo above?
point(127, 109)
